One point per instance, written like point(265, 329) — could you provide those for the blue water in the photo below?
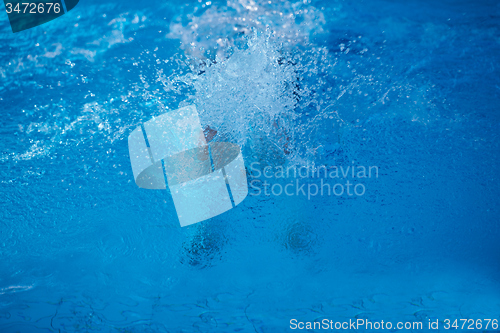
point(412, 87)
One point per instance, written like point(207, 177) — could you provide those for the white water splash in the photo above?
point(249, 98)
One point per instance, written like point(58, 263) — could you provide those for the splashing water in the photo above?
point(266, 85)
point(250, 98)
point(263, 97)
point(253, 66)
point(269, 88)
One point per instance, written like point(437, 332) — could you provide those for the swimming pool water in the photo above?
point(410, 87)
